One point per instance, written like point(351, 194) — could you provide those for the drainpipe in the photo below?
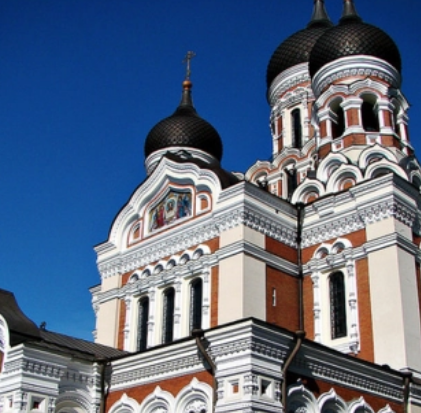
point(407, 378)
point(103, 396)
point(198, 335)
point(299, 337)
point(300, 219)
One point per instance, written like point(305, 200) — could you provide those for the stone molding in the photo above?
point(199, 231)
point(352, 66)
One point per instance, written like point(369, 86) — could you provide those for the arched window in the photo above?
point(369, 117)
point(296, 128)
point(142, 324)
point(168, 316)
point(292, 180)
point(196, 294)
point(338, 119)
point(337, 305)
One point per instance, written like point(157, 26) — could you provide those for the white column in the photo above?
point(354, 334)
point(206, 299)
point(128, 300)
point(151, 321)
point(315, 277)
point(177, 311)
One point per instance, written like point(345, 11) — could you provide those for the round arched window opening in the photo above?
point(337, 118)
point(369, 114)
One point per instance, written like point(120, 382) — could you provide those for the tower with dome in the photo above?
point(294, 287)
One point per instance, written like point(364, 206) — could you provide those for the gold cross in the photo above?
point(187, 59)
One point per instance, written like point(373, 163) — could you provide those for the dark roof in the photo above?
point(73, 346)
point(186, 129)
point(353, 37)
point(296, 48)
point(24, 330)
point(21, 328)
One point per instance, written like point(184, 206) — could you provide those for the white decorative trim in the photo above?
point(158, 402)
point(287, 80)
point(351, 66)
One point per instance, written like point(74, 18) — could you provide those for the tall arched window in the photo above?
point(369, 116)
point(296, 128)
point(338, 119)
point(142, 324)
point(168, 316)
point(337, 305)
point(196, 294)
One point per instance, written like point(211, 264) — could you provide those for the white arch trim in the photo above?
point(159, 400)
point(195, 397)
point(375, 151)
point(308, 186)
point(331, 398)
point(340, 175)
point(387, 165)
point(359, 404)
point(125, 404)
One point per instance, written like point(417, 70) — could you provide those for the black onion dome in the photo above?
point(186, 129)
point(353, 37)
point(297, 47)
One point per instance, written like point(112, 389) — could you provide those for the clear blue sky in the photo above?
point(81, 84)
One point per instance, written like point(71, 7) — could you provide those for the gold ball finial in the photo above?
point(187, 84)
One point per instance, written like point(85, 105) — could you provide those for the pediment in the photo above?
point(172, 195)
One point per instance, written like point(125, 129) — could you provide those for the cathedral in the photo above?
point(294, 287)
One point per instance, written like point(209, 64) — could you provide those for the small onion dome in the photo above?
point(296, 48)
point(185, 129)
point(353, 37)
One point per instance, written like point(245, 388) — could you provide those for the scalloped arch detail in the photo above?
point(373, 153)
point(310, 187)
point(381, 167)
point(340, 175)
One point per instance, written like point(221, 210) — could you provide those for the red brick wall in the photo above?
point(281, 250)
point(286, 311)
point(364, 311)
point(308, 298)
point(121, 323)
point(172, 386)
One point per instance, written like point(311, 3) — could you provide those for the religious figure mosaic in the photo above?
point(174, 206)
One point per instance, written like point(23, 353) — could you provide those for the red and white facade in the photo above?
point(293, 287)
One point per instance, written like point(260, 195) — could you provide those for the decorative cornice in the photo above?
point(352, 66)
point(358, 210)
point(287, 80)
point(249, 206)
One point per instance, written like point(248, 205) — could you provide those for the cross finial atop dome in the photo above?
point(186, 98)
point(349, 12)
point(319, 15)
point(187, 59)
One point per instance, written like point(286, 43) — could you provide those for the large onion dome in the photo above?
point(296, 48)
point(353, 37)
point(184, 129)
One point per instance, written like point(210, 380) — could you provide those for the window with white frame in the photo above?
point(142, 323)
point(168, 316)
point(196, 298)
point(338, 322)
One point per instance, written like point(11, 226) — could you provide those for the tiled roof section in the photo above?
point(184, 128)
point(21, 328)
point(294, 50)
point(352, 37)
point(74, 346)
